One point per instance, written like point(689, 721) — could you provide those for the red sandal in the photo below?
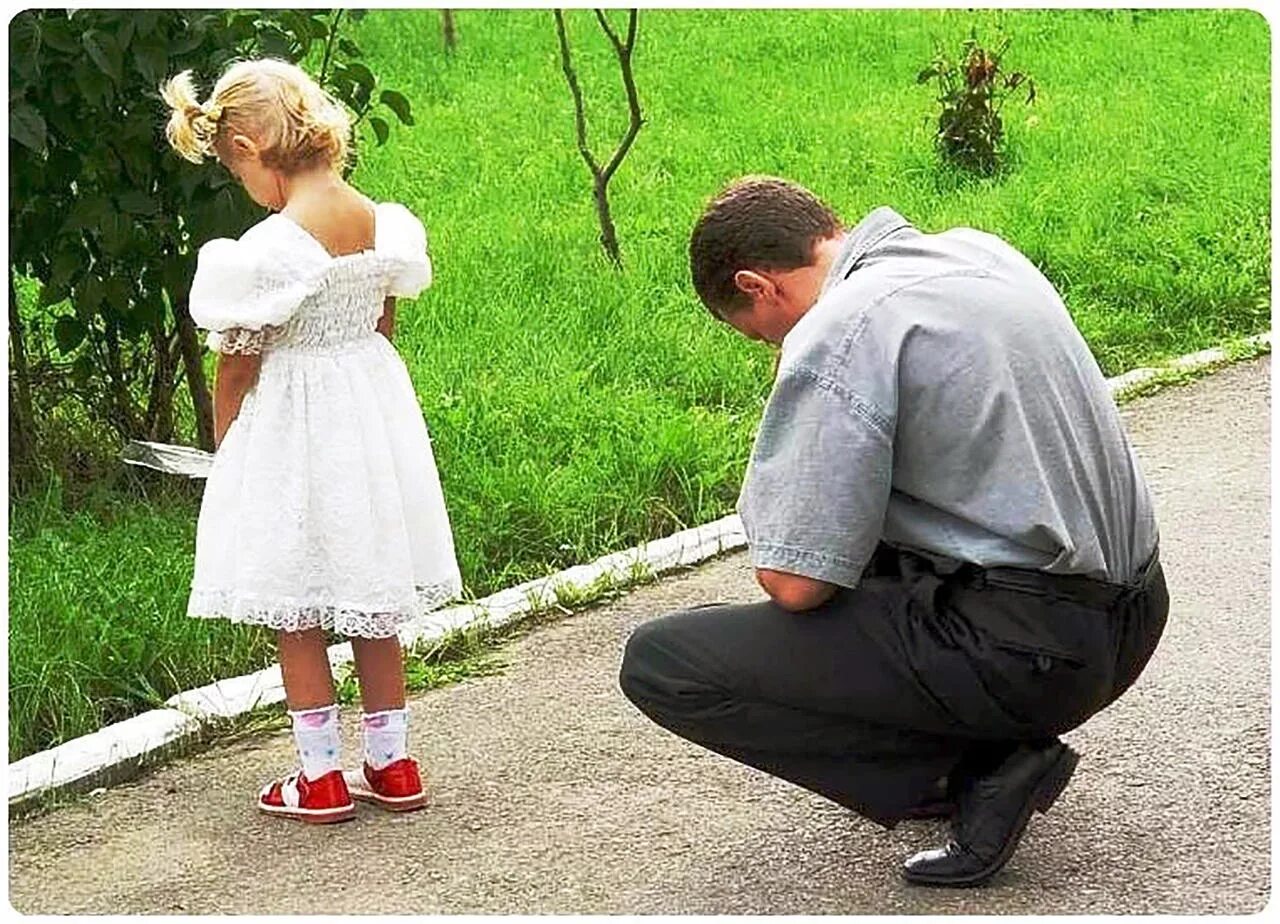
point(397, 787)
point(319, 802)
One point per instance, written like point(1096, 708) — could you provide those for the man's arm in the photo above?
point(816, 490)
point(794, 592)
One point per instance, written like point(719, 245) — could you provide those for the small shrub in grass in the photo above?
point(972, 88)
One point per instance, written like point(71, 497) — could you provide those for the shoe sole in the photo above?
point(390, 803)
point(1052, 783)
point(310, 816)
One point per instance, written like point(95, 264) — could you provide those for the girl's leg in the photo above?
point(380, 669)
point(304, 663)
point(308, 686)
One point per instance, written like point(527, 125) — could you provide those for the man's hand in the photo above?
point(794, 592)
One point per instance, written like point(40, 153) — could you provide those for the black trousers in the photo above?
point(872, 698)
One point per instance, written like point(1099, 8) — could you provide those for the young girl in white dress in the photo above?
point(323, 509)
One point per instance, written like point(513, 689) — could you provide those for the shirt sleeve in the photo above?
point(240, 290)
point(402, 241)
point(817, 486)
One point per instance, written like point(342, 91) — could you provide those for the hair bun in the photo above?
point(190, 129)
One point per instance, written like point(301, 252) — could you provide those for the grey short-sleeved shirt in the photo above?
point(939, 396)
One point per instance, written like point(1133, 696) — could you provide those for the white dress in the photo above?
point(323, 506)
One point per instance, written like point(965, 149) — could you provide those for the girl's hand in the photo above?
point(237, 373)
point(387, 323)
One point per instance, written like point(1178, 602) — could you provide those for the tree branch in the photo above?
point(629, 82)
point(450, 30)
point(608, 30)
point(328, 46)
point(579, 112)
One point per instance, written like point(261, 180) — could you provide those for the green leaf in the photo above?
point(275, 43)
point(296, 23)
point(52, 293)
point(87, 297)
point(68, 333)
point(360, 74)
point(83, 370)
point(88, 212)
point(360, 99)
point(104, 52)
point(117, 297)
point(320, 25)
point(136, 202)
point(57, 35)
point(24, 59)
point(27, 127)
point(349, 48)
point(66, 263)
point(399, 104)
point(381, 129)
point(151, 60)
point(94, 86)
point(188, 40)
point(127, 29)
point(145, 21)
point(114, 233)
point(243, 26)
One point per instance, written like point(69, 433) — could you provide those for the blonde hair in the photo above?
point(294, 121)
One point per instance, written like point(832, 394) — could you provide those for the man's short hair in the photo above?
point(756, 223)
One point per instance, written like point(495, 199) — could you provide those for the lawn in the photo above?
point(577, 410)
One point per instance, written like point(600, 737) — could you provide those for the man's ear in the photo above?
point(752, 284)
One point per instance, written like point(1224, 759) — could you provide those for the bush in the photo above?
point(971, 91)
point(108, 220)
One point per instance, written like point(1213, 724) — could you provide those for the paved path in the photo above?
point(553, 795)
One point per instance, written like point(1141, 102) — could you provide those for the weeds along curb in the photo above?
point(116, 751)
point(124, 746)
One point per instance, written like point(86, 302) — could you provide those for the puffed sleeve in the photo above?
point(402, 241)
point(240, 291)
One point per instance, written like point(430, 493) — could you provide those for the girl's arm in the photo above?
point(387, 323)
point(237, 373)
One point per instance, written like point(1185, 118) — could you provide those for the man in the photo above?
point(955, 537)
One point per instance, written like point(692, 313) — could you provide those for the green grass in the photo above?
point(576, 410)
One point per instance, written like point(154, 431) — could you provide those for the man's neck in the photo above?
point(825, 253)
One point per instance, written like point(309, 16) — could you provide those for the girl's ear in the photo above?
point(242, 146)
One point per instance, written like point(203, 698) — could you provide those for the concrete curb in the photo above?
point(1191, 362)
point(93, 756)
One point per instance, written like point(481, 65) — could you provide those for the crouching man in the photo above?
point(953, 532)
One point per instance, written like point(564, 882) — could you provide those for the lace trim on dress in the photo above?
point(240, 340)
point(289, 616)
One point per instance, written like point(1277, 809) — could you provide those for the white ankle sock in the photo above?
point(317, 734)
point(386, 737)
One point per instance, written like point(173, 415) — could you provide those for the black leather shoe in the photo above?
point(992, 813)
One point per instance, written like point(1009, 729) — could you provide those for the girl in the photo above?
point(323, 509)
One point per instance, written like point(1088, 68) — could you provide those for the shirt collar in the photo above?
point(858, 243)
